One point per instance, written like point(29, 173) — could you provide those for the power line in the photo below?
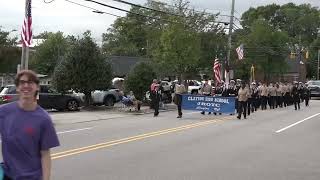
point(94, 10)
point(138, 14)
point(236, 26)
point(144, 7)
point(130, 12)
point(204, 11)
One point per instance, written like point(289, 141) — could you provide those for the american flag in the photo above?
point(240, 52)
point(26, 34)
point(217, 71)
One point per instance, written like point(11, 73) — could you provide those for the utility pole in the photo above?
point(318, 68)
point(230, 42)
point(25, 48)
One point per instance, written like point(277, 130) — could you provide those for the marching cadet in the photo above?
point(242, 100)
point(218, 91)
point(286, 91)
point(264, 96)
point(300, 90)
point(232, 92)
point(254, 96)
point(296, 96)
point(249, 101)
point(206, 90)
point(306, 94)
point(179, 90)
point(272, 95)
point(290, 87)
point(259, 95)
point(278, 96)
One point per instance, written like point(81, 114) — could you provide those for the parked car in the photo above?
point(193, 86)
point(48, 98)
point(107, 98)
point(314, 87)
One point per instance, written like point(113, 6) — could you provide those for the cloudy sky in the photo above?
point(72, 19)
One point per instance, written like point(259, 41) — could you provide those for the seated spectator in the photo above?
point(135, 102)
point(130, 100)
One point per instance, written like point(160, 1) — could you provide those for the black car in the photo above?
point(314, 87)
point(48, 98)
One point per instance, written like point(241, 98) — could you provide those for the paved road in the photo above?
point(262, 147)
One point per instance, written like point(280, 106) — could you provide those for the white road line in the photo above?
point(70, 131)
point(283, 129)
point(75, 130)
point(197, 112)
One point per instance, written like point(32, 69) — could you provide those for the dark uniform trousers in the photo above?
point(155, 98)
point(179, 103)
point(264, 100)
point(242, 108)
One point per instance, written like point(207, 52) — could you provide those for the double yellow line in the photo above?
point(133, 138)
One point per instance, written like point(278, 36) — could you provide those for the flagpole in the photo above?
point(318, 68)
point(230, 42)
point(25, 49)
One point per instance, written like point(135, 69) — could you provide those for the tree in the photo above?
point(135, 35)
point(139, 79)
point(312, 62)
point(297, 20)
point(266, 48)
point(50, 52)
point(178, 51)
point(83, 69)
point(300, 22)
point(9, 54)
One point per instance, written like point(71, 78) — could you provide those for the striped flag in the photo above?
point(217, 71)
point(26, 34)
point(240, 52)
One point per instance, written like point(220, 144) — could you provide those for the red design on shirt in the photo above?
point(29, 130)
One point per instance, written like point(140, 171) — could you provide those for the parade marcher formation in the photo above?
point(248, 97)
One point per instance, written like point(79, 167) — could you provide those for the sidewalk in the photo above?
point(100, 113)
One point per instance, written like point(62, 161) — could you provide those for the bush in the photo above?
point(140, 79)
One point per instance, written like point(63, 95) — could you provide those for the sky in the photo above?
point(61, 15)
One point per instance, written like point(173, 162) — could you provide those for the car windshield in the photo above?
point(4, 90)
point(317, 83)
point(9, 90)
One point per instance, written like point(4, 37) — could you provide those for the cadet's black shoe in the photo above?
point(202, 113)
point(238, 117)
point(179, 117)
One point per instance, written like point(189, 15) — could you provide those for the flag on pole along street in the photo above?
point(252, 78)
point(26, 34)
point(227, 75)
point(217, 71)
point(240, 52)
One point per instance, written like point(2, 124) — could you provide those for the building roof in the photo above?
point(35, 43)
point(122, 65)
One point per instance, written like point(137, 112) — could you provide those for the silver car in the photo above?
point(314, 87)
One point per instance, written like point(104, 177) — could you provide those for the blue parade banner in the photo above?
point(208, 103)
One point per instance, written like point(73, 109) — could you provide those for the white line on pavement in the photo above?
point(283, 129)
point(75, 130)
point(197, 112)
point(70, 131)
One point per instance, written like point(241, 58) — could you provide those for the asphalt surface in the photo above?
point(196, 147)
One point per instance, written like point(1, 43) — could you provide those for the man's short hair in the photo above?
point(32, 76)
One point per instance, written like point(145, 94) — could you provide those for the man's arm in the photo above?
point(46, 164)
